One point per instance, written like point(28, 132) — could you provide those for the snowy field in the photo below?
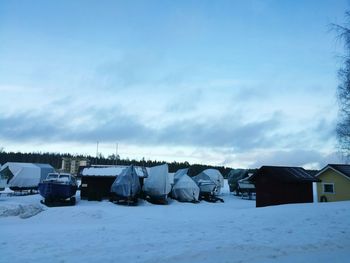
point(234, 231)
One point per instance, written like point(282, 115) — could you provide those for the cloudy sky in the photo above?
point(234, 83)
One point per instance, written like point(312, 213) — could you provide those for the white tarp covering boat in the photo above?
point(179, 173)
point(205, 184)
point(27, 175)
point(206, 179)
point(157, 185)
point(3, 184)
point(185, 189)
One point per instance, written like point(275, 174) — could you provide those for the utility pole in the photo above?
point(96, 152)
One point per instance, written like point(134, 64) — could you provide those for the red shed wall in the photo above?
point(97, 187)
point(276, 193)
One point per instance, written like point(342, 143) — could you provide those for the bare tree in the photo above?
point(343, 91)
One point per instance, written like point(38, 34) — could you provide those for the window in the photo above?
point(328, 188)
point(52, 176)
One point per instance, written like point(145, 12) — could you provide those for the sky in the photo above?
point(233, 83)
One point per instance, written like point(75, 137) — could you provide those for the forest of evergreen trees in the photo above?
point(55, 159)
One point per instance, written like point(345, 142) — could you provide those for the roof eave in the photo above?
point(333, 169)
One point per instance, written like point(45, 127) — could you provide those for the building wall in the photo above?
point(96, 187)
point(71, 165)
point(74, 166)
point(66, 162)
point(84, 162)
point(270, 192)
point(341, 186)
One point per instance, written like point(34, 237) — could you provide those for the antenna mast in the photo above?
point(116, 153)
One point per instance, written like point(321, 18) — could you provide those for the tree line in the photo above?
point(55, 159)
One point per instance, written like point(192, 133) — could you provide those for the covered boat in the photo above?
point(234, 176)
point(157, 185)
point(5, 176)
point(215, 176)
point(58, 189)
point(245, 183)
point(179, 173)
point(96, 181)
point(185, 190)
point(205, 184)
point(126, 187)
point(210, 182)
point(246, 187)
point(25, 176)
point(3, 183)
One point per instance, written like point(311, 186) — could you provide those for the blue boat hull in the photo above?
point(56, 191)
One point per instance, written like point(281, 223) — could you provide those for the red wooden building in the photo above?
point(276, 185)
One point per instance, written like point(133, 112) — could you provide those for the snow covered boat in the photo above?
point(126, 187)
point(58, 189)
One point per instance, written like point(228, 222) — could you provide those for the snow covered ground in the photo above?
point(234, 231)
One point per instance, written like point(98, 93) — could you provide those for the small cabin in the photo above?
point(96, 181)
point(335, 183)
point(276, 185)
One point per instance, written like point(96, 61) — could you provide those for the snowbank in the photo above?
point(23, 211)
point(21, 206)
point(234, 231)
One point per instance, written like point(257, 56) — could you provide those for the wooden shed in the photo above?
point(96, 181)
point(276, 185)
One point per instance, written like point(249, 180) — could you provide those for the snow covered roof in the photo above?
point(111, 171)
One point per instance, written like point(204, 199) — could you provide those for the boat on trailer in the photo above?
point(126, 187)
point(157, 185)
point(58, 189)
point(246, 187)
point(208, 188)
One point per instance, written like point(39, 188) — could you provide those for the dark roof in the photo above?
point(313, 172)
point(343, 168)
point(285, 174)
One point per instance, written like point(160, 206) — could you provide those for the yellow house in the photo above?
point(335, 183)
